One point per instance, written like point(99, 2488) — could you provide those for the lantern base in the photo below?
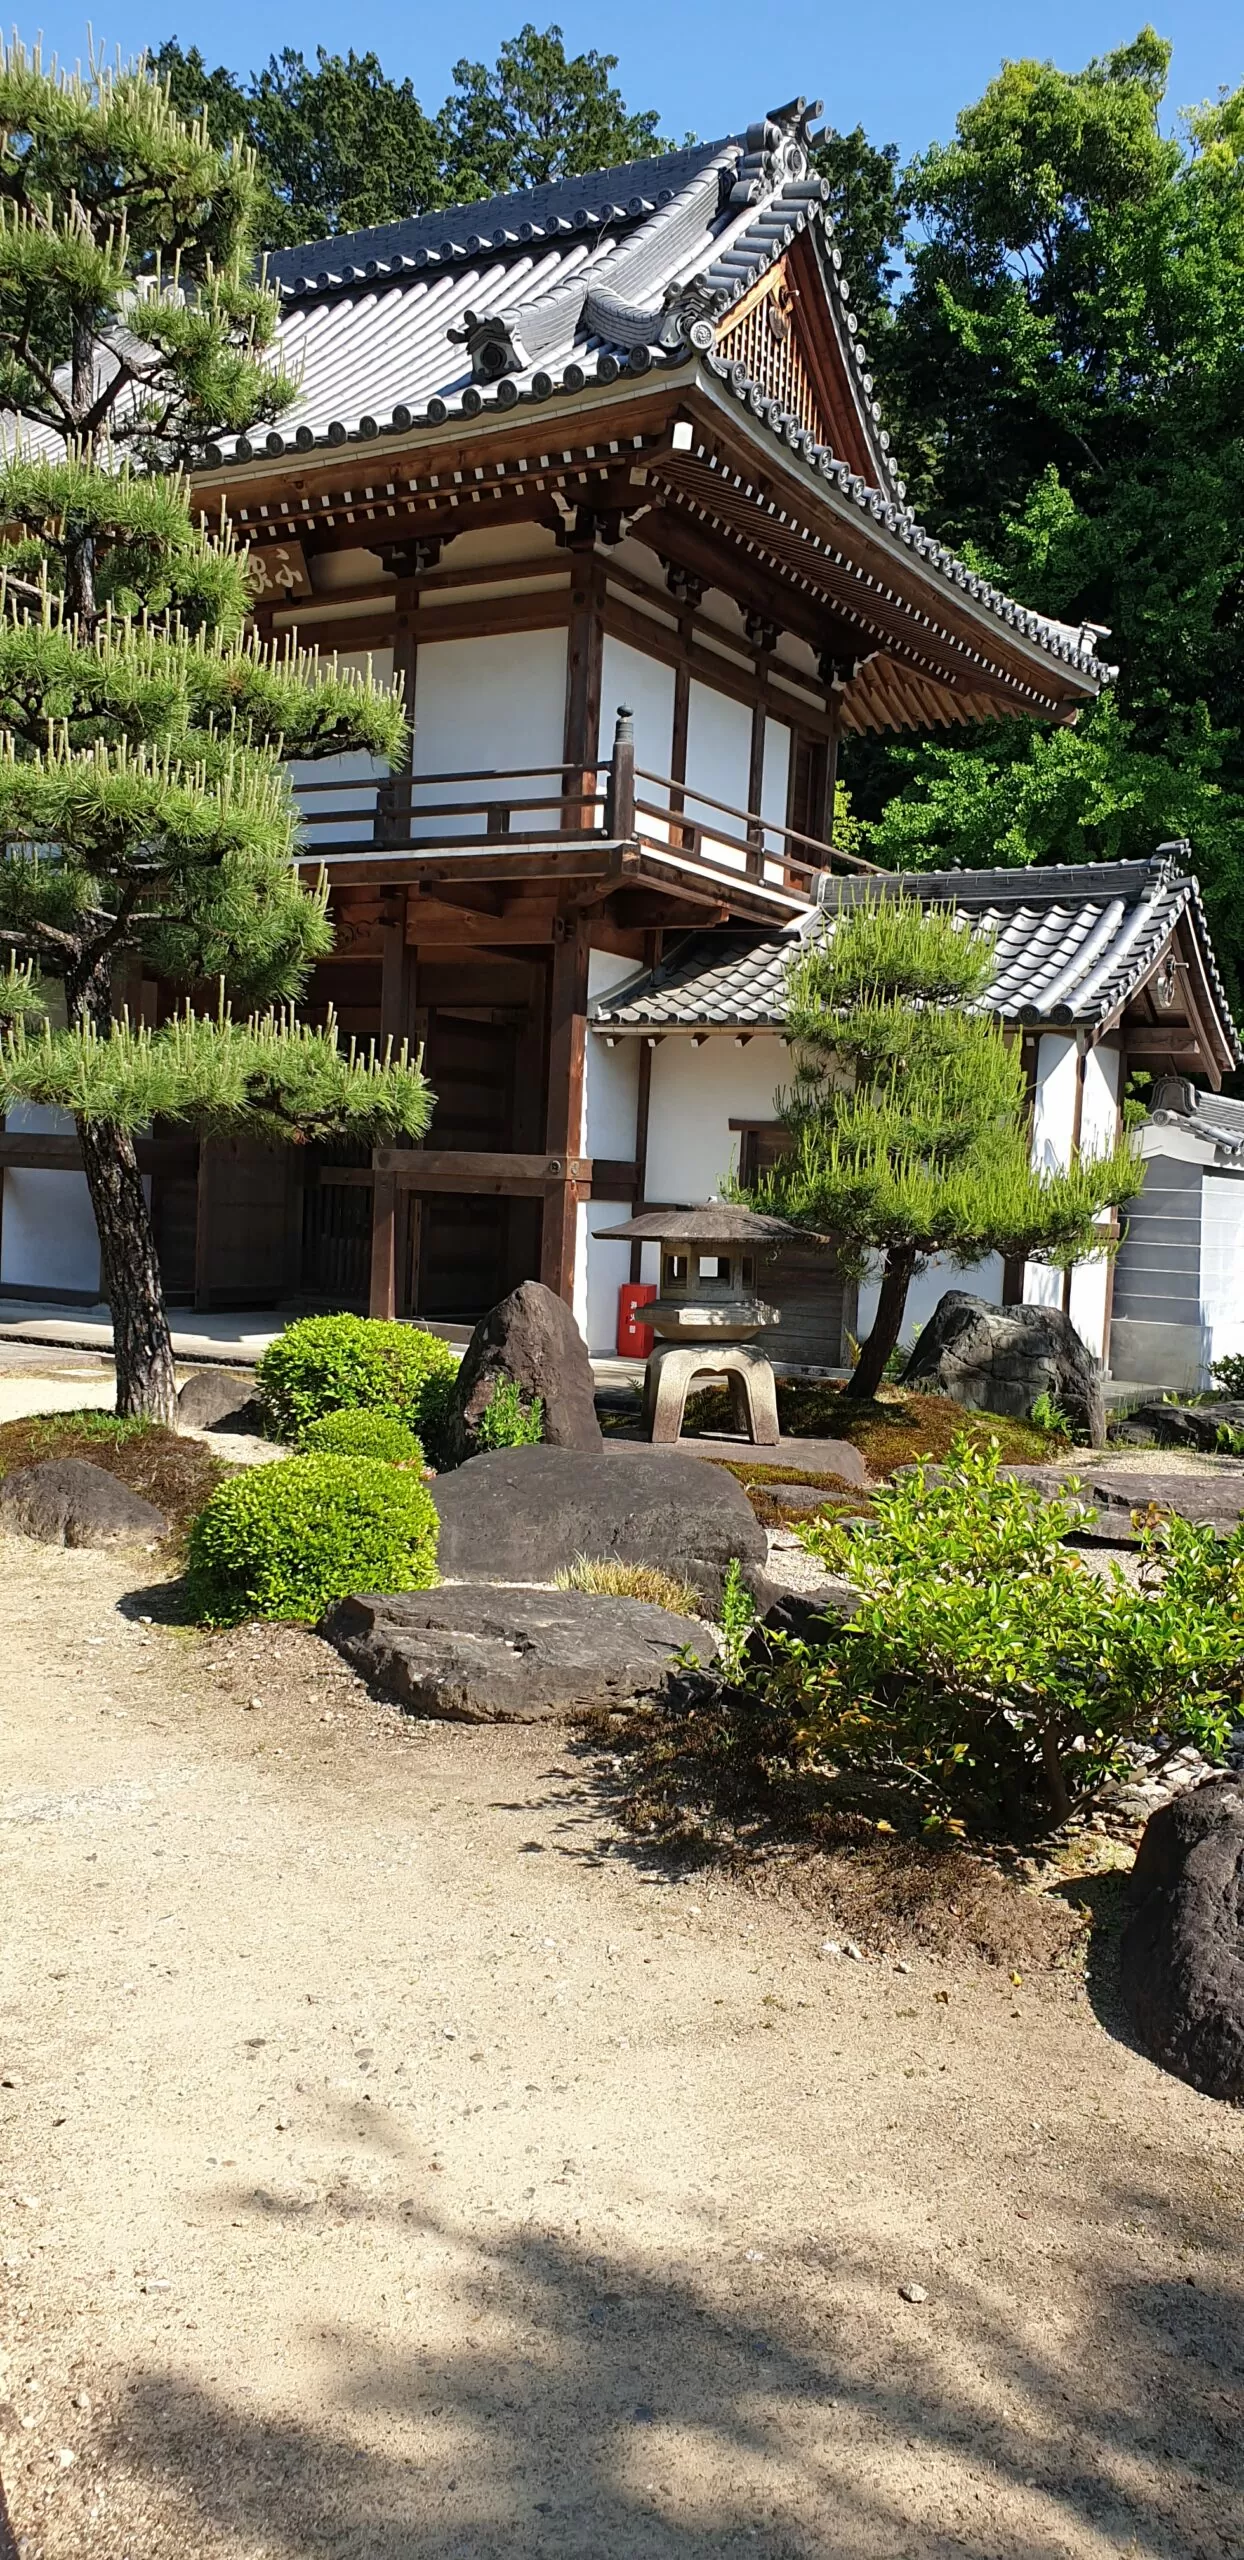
point(673, 1368)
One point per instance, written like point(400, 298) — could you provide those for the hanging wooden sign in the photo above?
point(276, 572)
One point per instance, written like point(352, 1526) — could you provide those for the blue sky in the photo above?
point(709, 65)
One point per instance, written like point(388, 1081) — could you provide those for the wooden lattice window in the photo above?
point(763, 338)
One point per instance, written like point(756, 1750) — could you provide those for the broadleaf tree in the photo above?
point(146, 821)
point(907, 1115)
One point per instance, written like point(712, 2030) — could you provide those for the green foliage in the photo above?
point(275, 1078)
point(506, 1422)
point(1048, 1415)
point(340, 146)
point(907, 1114)
point(989, 1673)
point(330, 1364)
point(539, 114)
point(1229, 1440)
point(283, 1541)
point(358, 1433)
point(738, 1617)
point(1062, 376)
point(1229, 1372)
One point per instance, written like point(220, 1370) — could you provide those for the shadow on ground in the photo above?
point(594, 2407)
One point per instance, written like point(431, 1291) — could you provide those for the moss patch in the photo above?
point(175, 1474)
point(890, 1430)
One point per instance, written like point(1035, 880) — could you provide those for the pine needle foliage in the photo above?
point(147, 825)
point(908, 1115)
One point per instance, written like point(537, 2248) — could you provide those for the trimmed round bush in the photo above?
point(356, 1433)
point(324, 1364)
point(282, 1541)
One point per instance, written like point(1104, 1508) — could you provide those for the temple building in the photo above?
point(599, 473)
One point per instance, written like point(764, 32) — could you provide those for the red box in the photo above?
point(634, 1339)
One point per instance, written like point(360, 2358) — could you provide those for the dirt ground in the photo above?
point(398, 2166)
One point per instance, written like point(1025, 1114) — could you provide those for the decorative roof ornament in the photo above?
point(775, 152)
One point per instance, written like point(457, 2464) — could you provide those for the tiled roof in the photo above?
point(1073, 943)
point(559, 289)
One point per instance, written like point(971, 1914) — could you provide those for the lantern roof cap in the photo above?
point(717, 1222)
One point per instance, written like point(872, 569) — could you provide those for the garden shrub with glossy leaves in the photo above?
point(507, 1422)
point(355, 1432)
point(990, 1673)
point(283, 1541)
point(325, 1364)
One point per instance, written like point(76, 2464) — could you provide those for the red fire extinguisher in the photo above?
point(634, 1339)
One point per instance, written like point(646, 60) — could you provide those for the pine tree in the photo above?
point(907, 1115)
point(145, 819)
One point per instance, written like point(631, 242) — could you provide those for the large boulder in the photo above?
point(1000, 1359)
point(481, 1655)
point(68, 1503)
point(519, 1515)
point(1182, 1955)
point(219, 1400)
point(531, 1337)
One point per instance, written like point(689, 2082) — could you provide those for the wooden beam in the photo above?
point(382, 1294)
point(563, 1128)
point(581, 740)
point(32, 1152)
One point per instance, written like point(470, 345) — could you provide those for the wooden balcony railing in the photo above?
point(679, 826)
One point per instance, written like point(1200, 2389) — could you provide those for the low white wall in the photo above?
point(695, 1095)
point(983, 1279)
point(47, 1234)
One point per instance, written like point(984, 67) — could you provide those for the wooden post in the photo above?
point(755, 788)
point(564, 1115)
point(396, 1024)
point(382, 1298)
point(584, 657)
point(620, 803)
point(643, 1106)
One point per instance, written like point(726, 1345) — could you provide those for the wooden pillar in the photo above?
point(643, 1108)
point(584, 658)
point(397, 992)
point(563, 1134)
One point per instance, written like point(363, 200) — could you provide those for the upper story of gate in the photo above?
point(614, 440)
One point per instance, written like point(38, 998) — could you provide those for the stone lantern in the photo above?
point(709, 1313)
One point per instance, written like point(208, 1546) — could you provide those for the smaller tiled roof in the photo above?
point(1209, 1115)
point(1073, 943)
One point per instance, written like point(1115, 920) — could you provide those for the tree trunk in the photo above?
point(141, 1341)
point(869, 1369)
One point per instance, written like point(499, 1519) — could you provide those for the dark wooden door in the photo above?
point(464, 1257)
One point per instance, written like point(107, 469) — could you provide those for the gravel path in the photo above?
point(396, 2167)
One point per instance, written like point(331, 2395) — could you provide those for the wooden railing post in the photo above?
point(620, 799)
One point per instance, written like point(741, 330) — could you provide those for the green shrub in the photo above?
point(357, 1433)
point(324, 1364)
point(1048, 1415)
point(282, 1541)
point(506, 1422)
point(989, 1671)
point(1229, 1373)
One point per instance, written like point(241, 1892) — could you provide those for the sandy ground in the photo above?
point(397, 2167)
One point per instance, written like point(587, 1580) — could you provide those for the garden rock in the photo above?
point(811, 1617)
point(531, 1338)
point(1186, 1426)
point(1182, 1955)
point(520, 1515)
point(69, 1503)
point(1122, 1502)
point(1000, 1359)
point(482, 1655)
point(219, 1400)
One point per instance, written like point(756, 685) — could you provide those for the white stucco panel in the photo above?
point(492, 704)
point(695, 1095)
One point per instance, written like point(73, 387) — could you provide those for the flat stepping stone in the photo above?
point(484, 1654)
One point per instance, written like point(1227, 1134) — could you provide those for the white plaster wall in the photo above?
point(1222, 1262)
point(774, 788)
point(47, 1235)
point(1099, 1120)
point(610, 1106)
point(719, 750)
point(695, 1094)
point(354, 777)
point(1053, 1125)
point(646, 686)
point(491, 703)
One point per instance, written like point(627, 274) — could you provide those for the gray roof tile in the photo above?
point(1072, 943)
